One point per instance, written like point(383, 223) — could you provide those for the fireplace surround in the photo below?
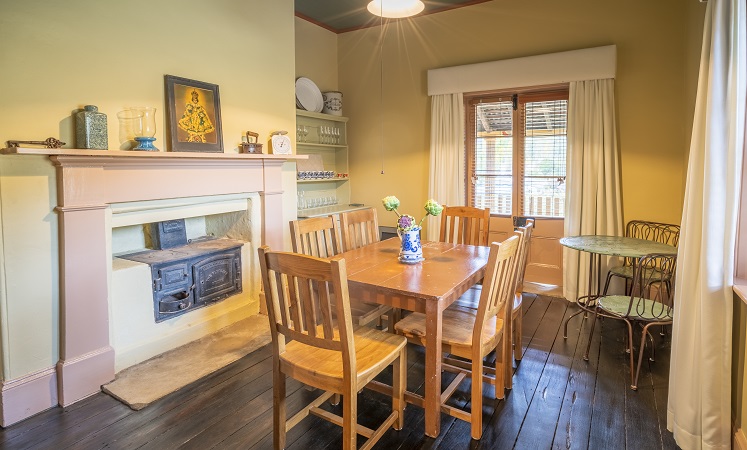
point(88, 183)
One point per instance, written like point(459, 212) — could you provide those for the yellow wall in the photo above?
point(316, 55)
point(652, 104)
point(59, 56)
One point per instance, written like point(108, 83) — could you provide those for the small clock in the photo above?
point(281, 143)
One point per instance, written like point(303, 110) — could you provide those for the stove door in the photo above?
point(217, 277)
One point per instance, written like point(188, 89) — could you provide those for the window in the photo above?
point(516, 148)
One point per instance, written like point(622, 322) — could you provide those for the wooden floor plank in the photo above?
point(574, 421)
point(608, 428)
point(558, 401)
point(503, 428)
point(62, 423)
point(551, 391)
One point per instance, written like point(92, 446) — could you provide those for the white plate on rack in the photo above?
point(308, 95)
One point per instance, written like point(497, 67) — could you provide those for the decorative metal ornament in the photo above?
point(47, 143)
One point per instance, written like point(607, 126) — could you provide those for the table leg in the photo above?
point(433, 354)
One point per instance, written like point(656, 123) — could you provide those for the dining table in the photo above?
point(448, 270)
point(598, 246)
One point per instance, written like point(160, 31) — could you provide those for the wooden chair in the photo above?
point(313, 348)
point(650, 302)
point(318, 236)
point(473, 334)
point(517, 314)
point(651, 231)
point(359, 228)
point(471, 300)
point(465, 225)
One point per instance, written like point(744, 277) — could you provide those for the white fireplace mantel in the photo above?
point(88, 181)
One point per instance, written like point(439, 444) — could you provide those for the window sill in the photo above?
point(740, 288)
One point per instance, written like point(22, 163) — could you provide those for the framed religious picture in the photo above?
point(193, 109)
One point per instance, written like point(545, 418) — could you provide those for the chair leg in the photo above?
point(500, 373)
point(278, 410)
point(607, 283)
point(565, 324)
point(349, 419)
point(399, 383)
point(640, 358)
point(653, 347)
point(630, 351)
point(476, 419)
point(518, 349)
point(591, 333)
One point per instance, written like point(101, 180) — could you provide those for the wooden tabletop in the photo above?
point(447, 272)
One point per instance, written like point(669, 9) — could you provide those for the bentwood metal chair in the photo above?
point(650, 302)
point(313, 341)
point(651, 231)
point(473, 334)
point(465, 225)
point(318, 236)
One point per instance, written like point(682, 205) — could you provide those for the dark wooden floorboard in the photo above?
point(558, 401)
point(574, 422)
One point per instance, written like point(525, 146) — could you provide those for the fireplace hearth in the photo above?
point(191, 275)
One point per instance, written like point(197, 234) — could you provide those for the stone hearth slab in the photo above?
point(139, 385)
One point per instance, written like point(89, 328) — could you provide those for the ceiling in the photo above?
point(347, 15)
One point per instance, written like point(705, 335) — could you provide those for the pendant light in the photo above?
point(395, 9)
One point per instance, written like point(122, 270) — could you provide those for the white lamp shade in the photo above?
point(395, 9)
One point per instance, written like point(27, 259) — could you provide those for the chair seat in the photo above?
point(471, 299)
point(457, 325)
point(374, 349)
point(642, 308)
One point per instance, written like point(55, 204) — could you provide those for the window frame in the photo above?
point(519, 96)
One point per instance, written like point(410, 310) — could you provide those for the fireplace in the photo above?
point(189, 275)
point(91, 184)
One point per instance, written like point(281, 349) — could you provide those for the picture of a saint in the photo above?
point(195, 120)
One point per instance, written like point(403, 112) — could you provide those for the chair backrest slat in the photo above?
point(666, 233)
point(298, 289)
point(523, 253)
point(498, 284)
point(652, 295)
point(317, 236)
point(359, 228)
point(465, 225)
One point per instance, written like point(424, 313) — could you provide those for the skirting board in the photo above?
point(26, 396)
point(739, 442)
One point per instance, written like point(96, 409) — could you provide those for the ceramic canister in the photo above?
point(332, 103)
point(90, 129)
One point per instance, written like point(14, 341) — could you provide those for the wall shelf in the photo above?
point(323, 180)
point(322, 157)
point(324, 211)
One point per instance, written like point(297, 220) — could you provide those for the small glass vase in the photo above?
point(145, 134)
point(411, 251)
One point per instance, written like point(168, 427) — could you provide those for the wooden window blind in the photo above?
point(516, 151)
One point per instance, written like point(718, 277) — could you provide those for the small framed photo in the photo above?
point(193, 109)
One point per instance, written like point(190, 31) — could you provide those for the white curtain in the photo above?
point(446, 175)
point(699, 412)
point(592, 198)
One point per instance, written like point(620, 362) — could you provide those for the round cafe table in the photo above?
point(599, 246)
